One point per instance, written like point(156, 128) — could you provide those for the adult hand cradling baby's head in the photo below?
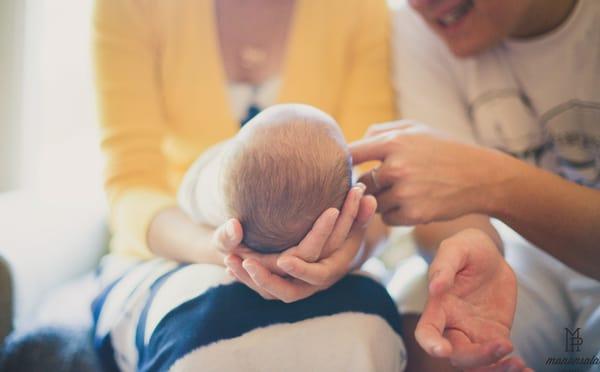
point(296, 274)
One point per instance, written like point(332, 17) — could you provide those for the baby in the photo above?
point(276, 176)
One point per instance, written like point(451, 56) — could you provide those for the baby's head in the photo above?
point(284, 168)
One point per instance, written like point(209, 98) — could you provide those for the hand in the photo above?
point(325, 255)
point(471, 305)
point(425, 177)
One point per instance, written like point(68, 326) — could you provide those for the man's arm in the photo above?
point(428, 237)
point(558, 216)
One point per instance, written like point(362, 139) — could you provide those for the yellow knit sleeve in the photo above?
point(368, 96)
point(132, 120)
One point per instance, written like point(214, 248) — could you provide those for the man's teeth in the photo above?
point(456, 14)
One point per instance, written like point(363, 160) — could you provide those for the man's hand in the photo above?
point(323, 257)
point(425, 177)
point(471, 305)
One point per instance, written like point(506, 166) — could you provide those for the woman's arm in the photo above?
point(133, 124)
point(173, 235)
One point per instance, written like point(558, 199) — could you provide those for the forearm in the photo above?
point(428, 237)
point(556, 215)
point(174, 236)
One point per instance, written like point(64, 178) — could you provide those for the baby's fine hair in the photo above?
point(290, 165)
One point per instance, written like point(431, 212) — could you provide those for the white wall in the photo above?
point(60, 152)
point(11, 40)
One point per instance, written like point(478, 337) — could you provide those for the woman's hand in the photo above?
point(425, 177)
point(323, 257)
point(471, 305)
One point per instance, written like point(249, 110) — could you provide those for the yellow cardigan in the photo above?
point(163, 96)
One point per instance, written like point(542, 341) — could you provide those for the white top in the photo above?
point(538, 99)
point(200, 195)
point(244, 95)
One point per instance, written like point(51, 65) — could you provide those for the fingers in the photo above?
point(311, 247)
point(389, 199)
point(448, 261)
point(509, 364)
point(345, 220)
point(345, 258)
point(228, 236)
point(325, 272)
point(268, 261)
point(377, 129)
point(372, 181)
point(366, 211)
point(316, 273)
point(370, 148)
point(377, 180)
point(430, 329)
point(235, 268)
point(467, 354)
point(285, 290)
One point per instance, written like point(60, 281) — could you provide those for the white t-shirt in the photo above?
point(537, 99)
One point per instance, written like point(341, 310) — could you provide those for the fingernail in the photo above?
point(230, 229)
point(251, 269)
point(335, 213)
point(285, 264)
point(359, 192)
point(437, 350)
point(501, 351)
point(361, 186)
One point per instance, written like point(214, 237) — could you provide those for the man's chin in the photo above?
point(467, 50)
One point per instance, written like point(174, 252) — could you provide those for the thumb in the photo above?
point(370, 148)
point(228, 236)
point(429, 332)
point(449, 260)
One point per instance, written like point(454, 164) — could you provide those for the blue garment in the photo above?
point(227, 311)
point(253, 110)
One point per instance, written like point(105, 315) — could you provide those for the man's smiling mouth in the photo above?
point(456, 14)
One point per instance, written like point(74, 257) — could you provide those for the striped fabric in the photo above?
point(161, 316)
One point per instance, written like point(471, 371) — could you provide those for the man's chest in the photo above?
point(544, 110)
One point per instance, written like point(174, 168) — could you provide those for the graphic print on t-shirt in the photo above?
point(574, 131)
point(565, 140)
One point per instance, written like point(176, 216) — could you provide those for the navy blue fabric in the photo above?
point(253, 110)
point(141, 326)
point(103, 345)
point(228, 311)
